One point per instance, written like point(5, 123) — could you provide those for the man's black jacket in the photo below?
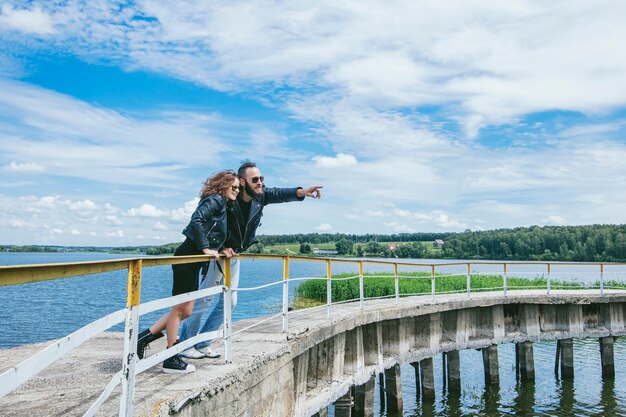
point(241, 238)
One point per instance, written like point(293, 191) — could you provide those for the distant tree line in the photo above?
point(593, 243)
point(28, 248)
point(317, 238)
point(163, 249)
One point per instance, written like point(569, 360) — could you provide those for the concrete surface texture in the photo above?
point(299, 373)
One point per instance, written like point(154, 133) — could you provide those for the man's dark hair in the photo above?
point(245, 165)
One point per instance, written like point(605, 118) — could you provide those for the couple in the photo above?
point(224, 223)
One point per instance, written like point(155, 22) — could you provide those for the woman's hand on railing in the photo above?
point(229, 252)
point(211, 252)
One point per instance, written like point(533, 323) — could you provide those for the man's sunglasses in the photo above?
point(257, 179)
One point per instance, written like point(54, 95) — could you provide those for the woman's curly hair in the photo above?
point(216, 184)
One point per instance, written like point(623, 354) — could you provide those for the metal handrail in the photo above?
point(20, 274)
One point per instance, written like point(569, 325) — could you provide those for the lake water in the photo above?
point(49, 310)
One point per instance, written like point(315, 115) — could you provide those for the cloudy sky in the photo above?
point(415, 116)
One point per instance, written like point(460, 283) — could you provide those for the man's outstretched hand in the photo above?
point(313, 192)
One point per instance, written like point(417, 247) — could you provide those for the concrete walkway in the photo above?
point(72, 384)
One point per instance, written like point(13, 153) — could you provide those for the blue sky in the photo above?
point(414, 116)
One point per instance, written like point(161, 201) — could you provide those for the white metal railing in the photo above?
point(19, 374)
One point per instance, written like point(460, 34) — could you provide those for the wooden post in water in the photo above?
point(606, 356)
point(490, 362)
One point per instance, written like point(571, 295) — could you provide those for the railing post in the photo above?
point(396, 282)
point(329, 290)
point(548, 279)
point(505, 280)
point(131, 327)
point(228, 313)
point(285, 294)
point(361, 290)
point(601, 278)
point(469, 278)
point(432, 282)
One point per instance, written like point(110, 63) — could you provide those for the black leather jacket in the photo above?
point(241, 239)
point(207, 227)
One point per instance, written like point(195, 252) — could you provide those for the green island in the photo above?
point(312, 293)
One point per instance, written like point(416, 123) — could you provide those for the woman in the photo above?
point(205, 235)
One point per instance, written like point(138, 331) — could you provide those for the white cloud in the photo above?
point(554, 220)
point(113, 220)
point(339, 161)
point(324, 227)
point(75, 232)
point(183, 214)
point(146, 210)
point(84, 205)
point(159, 226)
point(47, 133)
point(30, 21)
point(117, 233)
point(24, 167)
point(16, 223)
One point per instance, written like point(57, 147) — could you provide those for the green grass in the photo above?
point(383, 285)
point(294, 248)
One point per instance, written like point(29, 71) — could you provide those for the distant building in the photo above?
point(438, 243)
point(319, 251)
point(391, 246)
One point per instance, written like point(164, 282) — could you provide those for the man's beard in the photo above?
point(251, 192)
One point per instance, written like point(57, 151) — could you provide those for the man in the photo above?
point(244, 217)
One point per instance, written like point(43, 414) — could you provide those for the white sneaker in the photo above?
point(192, 353)
point(207, 352)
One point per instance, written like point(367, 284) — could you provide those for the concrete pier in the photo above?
point(566, 347)
point(607, 356)
point(364, 399)
point(393, 389)
point(525, 361)
point(427, 376)
point(343, 406)
point(491, 366)
point(453, 370)
point(299, 373)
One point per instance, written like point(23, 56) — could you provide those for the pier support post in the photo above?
point(567, 357)
point(418, 384)
point(490, 362)
point(427, 375)
point(364, 399)
point(524, 357)
point(393, 389)
point(381, 391)
point(453, 368)
point(606, 356)
point(343, 406)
